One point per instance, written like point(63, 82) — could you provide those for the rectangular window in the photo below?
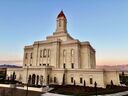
point(81, 80)
point(31, 55)
point(71, 79)
point(72, 65)
point(40, 53)
point(64, 66)
point(48, 52)
point(26, 55)
point(55, 80)
point(44, 64)
point(44, 53)
point(91, 81)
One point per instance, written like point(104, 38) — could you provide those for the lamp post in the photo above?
point(95, 85)
point(27, 82)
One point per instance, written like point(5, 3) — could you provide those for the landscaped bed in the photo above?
point(85, 91)
point(65, 89)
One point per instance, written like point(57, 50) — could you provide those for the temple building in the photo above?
point(62, 59)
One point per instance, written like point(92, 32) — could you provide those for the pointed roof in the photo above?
point(61, 14)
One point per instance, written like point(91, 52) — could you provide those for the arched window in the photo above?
point(33, 79)
point(72, 79)
point(37, 80)
point(81, 80)
point(29, 79)
point(48, 79)
point(44, 53)
point(91, 79)
point(41, 79)
point(55, 81)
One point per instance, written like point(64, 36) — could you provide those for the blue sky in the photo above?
point(102, 22)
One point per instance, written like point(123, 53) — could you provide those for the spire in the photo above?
point(61, 14)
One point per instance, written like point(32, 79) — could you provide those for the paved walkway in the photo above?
point(116, 94)
point(53, 94)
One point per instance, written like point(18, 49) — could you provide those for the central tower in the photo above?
point(61, 29)
point(61, 23)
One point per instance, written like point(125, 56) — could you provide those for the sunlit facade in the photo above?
point(61, 59)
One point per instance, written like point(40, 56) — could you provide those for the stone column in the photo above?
point(35, 54)
point(56, 54)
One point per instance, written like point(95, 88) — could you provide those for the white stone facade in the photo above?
point(62, 59)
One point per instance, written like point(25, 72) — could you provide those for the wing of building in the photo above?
point(61, 59)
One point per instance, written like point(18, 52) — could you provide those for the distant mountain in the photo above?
point(9, 66)
point(115, 67)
